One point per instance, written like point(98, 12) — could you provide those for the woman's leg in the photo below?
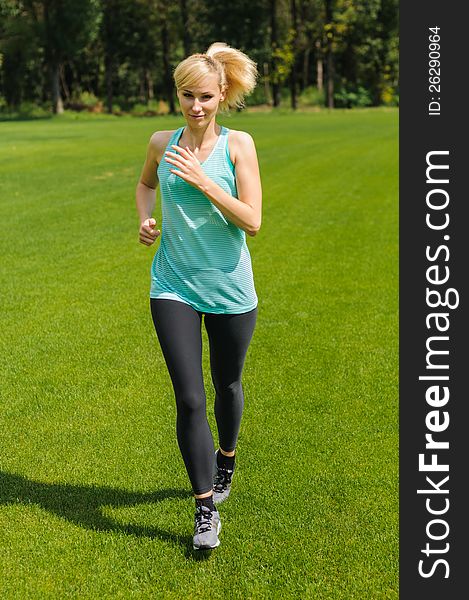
point(229, 337)
point(178, 327)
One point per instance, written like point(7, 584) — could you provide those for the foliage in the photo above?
point(65, 26)
point(153, 108)
point(365, 40)
point(116, 47)
point(347, 98)
point(24, 111)
point(19, 51)
point(284, 59)
point(311, 96)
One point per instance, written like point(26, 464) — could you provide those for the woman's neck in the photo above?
point(201, 138)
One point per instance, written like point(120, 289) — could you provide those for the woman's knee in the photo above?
point(190, 402)
point(229, 392)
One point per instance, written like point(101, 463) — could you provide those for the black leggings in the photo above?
point(178, 327)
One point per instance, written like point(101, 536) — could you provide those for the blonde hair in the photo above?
point(237, 73)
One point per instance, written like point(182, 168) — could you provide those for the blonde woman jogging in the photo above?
point(211, 198)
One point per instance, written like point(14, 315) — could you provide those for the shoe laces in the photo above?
point(222, 479)
point(203, 519)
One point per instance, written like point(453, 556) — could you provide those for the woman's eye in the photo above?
point(204, 97)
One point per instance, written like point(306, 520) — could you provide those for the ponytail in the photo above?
point(240, 74)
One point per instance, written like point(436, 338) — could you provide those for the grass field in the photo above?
point(94, 497)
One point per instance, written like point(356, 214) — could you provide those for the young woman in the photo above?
point(211, 197)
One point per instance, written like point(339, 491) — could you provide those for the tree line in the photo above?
point(65, 53)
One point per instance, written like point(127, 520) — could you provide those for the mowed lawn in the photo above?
point(94, 498)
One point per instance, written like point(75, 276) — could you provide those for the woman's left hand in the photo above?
point(189, 167)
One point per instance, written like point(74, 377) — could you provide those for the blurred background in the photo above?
point(117, 56)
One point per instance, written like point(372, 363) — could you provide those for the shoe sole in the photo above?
point(210, 547)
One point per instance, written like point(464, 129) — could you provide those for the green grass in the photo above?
point(94, 498)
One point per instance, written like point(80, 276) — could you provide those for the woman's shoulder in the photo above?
point(160, 138)
point(158, 142)
point(239, 142)
point(239, 137)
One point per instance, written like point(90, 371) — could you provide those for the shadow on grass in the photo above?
point(82, 505)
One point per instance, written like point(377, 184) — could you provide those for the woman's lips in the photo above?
point(196, 116)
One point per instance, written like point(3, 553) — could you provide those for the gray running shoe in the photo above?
point(221, 482)
point(206, 528)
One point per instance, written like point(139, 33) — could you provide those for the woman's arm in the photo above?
point(244, 211)
point(145, 194)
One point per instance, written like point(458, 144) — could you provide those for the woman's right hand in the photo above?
point(148, 234)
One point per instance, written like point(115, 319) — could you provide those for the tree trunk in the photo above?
point(63, 82)
point(305, 79)
point(274, 45)
point(293, 95)
point(142, 87)
point(304, 57)
point(109, 68)
point(149, 86)
point(319, 67)
point(57, 103)
point(268, 97)
point(168, 81)
point(293, 74)
point(329, 58)
point(186, 40)
point(330, 79)
point(53, 65)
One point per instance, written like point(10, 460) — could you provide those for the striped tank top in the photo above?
point(203, 259)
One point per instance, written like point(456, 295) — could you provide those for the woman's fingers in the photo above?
point(146, 229)
point(174, 156)
point(147, 233)
point(180, 150)
point(148, 241)
point(184, 154)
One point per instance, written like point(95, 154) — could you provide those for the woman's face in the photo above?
point(199, 104)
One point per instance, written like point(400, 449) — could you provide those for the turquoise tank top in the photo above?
point(203, 259)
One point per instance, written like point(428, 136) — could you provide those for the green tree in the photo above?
point(63, 27)
point(244, 24)
point(14, 53)
point(125, 50)
point(125, 46)
point(363, 34)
